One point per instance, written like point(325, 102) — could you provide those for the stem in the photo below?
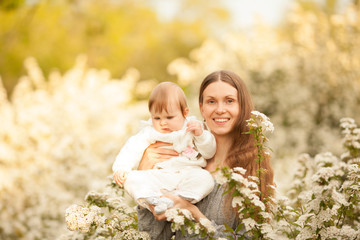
point(342, 216)
point(259, 154)
point(292, 232)
point(257, 229)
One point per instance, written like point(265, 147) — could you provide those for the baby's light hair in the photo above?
point(163, 94)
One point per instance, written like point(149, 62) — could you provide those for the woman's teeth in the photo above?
point(221, 120)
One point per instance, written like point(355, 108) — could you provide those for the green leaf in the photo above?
point(239, 227)
point(228, 228)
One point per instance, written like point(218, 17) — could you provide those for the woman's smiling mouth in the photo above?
point(221, 120)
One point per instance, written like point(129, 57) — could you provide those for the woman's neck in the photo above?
point(223, 145)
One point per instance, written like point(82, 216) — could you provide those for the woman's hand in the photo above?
point(154, 154)
point(180, 203)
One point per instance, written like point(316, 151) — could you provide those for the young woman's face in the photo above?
point(220, 107)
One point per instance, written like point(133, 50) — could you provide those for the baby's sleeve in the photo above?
point(205, 144)
point(131, 153)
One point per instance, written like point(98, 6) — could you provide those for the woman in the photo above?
point(225, 104)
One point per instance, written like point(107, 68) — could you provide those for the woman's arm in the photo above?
point(156, 229)
point(180, 203)
point(197, 214)
point(155, 154)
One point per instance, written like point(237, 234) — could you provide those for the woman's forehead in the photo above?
point(220, 88)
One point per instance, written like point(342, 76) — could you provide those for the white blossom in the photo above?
point(207, 224)
point(306, 233)
point(249, 223)
point(347, 123)
point(240, 170)
point(238, 177)
point(323, 174)
point(81, 218)
point(237, 201)
point(263, 121)
point(173, 215)
point(220, 178)
point(325, 159)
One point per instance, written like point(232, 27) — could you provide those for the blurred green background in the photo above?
point(316, 43)
point(318, 38)
point(114, 35)
point(118, 34)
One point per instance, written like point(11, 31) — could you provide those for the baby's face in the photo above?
point(168, 121)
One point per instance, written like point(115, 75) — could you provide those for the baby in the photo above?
point(182, 175)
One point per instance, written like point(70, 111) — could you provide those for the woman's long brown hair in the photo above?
point(243, 151)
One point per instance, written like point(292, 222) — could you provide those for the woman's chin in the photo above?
point(221, 131)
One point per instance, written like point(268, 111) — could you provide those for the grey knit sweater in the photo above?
point(212, 206)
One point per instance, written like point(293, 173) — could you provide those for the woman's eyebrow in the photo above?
point(227, 96)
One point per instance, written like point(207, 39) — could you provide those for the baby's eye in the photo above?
point(170, 117)
point(156, 118)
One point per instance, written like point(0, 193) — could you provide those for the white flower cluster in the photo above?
point(220, 178)
point(177, 216)
point(246, 197)
point(351, 132)
point(207, 224)
point(82, 218)
point(258, 125)
point(246, 189)
point(260, 120)
point(132, 234)
point(328, 195)
point(113, 217)
point(183, 219)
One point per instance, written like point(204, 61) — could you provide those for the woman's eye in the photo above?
point(230, 101)
point(211, 101)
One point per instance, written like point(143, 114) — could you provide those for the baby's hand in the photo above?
point(194, 127)
point(120, 177)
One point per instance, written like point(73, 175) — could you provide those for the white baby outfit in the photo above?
point(183, 175)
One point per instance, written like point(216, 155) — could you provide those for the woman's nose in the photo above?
point(220, 109)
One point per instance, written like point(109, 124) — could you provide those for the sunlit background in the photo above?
point(75, 76)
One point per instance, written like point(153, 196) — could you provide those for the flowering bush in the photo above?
point(108, 215)
point(322, 202)
point(58, 138)
point(253, 207)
